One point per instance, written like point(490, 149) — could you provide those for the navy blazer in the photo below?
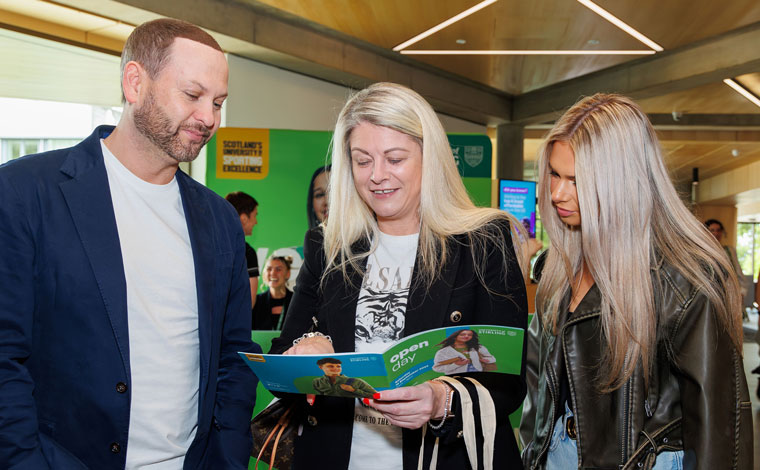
point(457, 297)
point(64, 348)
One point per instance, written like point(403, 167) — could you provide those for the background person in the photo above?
point(396, 202)
point(272, 305)
point(462, 352)
point(631, 290)
point(120, 321)
point(718, 231)
point(248, 210)
point(316, 200)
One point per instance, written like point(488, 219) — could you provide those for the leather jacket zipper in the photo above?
point(624, 429)
point(550, 379)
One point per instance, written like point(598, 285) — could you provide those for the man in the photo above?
point(248, 209)
point(123, 293)
point(336, 384)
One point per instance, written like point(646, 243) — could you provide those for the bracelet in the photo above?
point(312, 335)
point(446, 408)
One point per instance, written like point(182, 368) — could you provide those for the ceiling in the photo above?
point(700, 119)
point(525, 25)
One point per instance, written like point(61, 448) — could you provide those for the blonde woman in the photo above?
point(638, 329)
point(404, 250)
point(272, 305)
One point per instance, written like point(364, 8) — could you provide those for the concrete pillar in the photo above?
point(509, 152)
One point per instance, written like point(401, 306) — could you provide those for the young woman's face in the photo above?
point(464, 336)
point(564, 192)
point(387, 169)
point(277, 273)
point(716, 231)
point(319, 197)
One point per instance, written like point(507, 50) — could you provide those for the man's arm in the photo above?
point(19, 436)
point(236, 384)
point(254, 282)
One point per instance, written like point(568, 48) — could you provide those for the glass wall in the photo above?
point(748, 247)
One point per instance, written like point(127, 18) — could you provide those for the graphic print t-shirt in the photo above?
point(380, 319)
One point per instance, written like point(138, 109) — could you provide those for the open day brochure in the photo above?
point(410, 361)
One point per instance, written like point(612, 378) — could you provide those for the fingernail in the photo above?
point(365, 401)
point(376, 396)
point(310, 401)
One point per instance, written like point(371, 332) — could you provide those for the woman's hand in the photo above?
point(462, 361)
point(311, 345)
point(411, 407)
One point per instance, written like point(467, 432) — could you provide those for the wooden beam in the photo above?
point(281, 39)
point(706, 120)
point(696, 64)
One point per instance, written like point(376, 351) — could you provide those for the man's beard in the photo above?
point(152, 122)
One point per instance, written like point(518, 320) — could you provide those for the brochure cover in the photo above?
point(410, 361)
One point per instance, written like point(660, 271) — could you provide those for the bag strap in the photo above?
point(277, 429)
point(487, 422)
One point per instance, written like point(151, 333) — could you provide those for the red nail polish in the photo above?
point(365, 401)
point(376, 396)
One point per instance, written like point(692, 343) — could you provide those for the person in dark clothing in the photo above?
point(634, 354)
point(316, 200)
point(272, 305)
point(248, 210)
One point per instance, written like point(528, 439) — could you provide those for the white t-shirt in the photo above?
point(162, 309)
point(380, 318)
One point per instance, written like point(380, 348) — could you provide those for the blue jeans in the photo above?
point(563, 451)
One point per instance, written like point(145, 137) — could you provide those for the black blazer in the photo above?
point(456, 298)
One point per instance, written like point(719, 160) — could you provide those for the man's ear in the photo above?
point(132, 81)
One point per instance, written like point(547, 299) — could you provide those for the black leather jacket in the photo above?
point(696, 400)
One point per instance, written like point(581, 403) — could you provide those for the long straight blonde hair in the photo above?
point(445, 207)
point(631, 215)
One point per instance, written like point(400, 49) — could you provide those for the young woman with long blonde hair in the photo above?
point(635, 353)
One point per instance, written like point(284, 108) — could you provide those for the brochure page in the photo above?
point(410, 361)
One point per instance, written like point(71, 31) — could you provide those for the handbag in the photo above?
point(274, 431)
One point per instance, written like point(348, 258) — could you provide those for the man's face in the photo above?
point(180, 109)
point(248, 221)
point(330, 369)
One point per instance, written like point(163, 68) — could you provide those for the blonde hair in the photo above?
point(445, 207)
point(631, 215)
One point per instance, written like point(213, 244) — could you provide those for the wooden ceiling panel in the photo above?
point(716, 98)
point(385, 23)
point(536, 24)
point(751, 82)
point(676, 23)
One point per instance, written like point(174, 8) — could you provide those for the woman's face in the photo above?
point(277, 274)
point(564, 192)
point(387, 169)
point(716, 231)
point(464, 336)
point(319, 197)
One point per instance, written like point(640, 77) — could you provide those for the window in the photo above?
point(748, 247)
point(15, 148)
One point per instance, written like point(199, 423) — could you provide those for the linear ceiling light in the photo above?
point(614, 20)
point(743, 91)
point(526, 52)
point(446, 23)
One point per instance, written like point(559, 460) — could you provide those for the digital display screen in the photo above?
point(519, 199)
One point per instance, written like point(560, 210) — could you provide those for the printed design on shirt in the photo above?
point(380, 315)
